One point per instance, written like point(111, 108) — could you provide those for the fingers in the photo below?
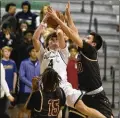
point(50, 9)
point(68, 4)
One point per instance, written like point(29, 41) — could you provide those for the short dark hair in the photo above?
point(27, 3)
point(23, 22)
point(30, 48)
point(53, 34)
point(97, 39)
point(8, 6)
point(28, 31)
point(72, 46)
point(50, 79)
point(6, 25)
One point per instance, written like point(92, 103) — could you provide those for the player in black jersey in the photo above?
point(47, 102)
point(89, 73)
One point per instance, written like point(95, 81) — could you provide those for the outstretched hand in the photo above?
point(67, 11)
point(51, 13)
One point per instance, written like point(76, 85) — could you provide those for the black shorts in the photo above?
point(99, 102)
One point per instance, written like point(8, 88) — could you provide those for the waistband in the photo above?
point(96, 91)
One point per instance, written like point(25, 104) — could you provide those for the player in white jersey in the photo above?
point(56, 55)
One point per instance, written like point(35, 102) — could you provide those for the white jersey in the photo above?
point(58, 59)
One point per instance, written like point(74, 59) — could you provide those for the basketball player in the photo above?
point(47, 101)
point(56, 56)
point(89, 73)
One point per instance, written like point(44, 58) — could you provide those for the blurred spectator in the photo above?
point(72, 67)
point(10, 71)
point(7, 38)
point(26, 15)
point(29, 68)
point(10, 68)
point(9, 16)
point(22, 47)
point(21, 30)
point(43, 12)
point(4, 93)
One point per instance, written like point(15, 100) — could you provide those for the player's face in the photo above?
point(25, 8)
point(33, 54)
point(89, 39)
point(6, 53)
point(53, 43)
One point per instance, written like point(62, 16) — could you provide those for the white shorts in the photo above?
point(72, 95)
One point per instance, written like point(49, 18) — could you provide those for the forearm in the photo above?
point(36, 36)
point(70, 33)
point(36, 44)
point(60, 38)
point(26, 82)
point(71, 23)
point(92, 113)
point(14, 81)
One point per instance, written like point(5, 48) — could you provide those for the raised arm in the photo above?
point(68, 31)
point(60, 37)
point(69, 19)
point(37, 34)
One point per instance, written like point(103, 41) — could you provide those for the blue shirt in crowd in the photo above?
point(27, 71)
point(10, 69)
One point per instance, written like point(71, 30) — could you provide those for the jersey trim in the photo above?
point(88, 58)
point(28, 100)
point(82, 93)
point(80, 114)
point(61, 55)
point(41, 103)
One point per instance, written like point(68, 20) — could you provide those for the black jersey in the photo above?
point(88, 68)
point(46, 104)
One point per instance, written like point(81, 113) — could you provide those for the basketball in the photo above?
point(52, 23)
